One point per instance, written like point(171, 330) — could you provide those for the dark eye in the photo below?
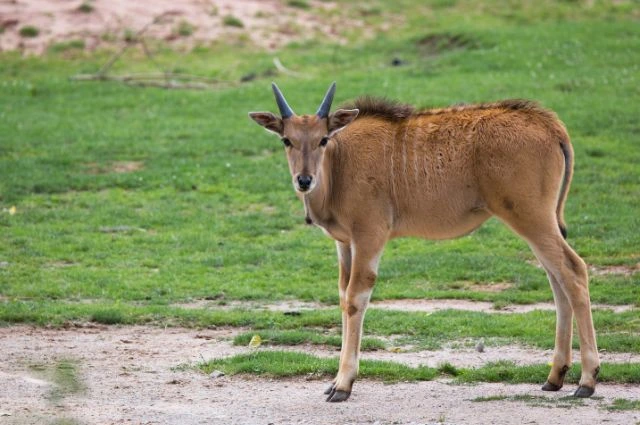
point(286, 141)
point(324, 141)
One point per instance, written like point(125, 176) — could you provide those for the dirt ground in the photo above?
point(265, 23)
point(131, 375)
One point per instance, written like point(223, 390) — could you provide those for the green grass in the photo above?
point(287, 364)
point(616, 332)
point(300, 4)
point(64, 376)
point(208, 211)
point(86, 7)
point(624, 404)
point(232, 21)
point(67, 45)
point(567, 402)
point(29, 31)
point(185, 29)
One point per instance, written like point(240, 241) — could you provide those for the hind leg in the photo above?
point(568, 277)
point(564, 330)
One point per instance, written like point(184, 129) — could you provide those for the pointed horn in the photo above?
point(325, 107)
point(285, 109)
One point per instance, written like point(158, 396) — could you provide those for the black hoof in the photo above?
point(548, 386)
point(329, 388)
point(337, 396)
point(584, 392)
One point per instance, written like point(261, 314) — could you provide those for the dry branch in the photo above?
point(164, 78)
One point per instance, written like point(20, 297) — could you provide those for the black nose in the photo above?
point(304, 182)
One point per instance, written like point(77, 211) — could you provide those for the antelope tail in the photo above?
point(567, 151)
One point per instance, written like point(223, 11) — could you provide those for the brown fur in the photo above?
point(439, 173)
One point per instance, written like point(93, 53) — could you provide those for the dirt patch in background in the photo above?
point(268, 24)
point(128, 375)
point(422, 305)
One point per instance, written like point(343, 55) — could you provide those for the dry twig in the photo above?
point(164, 78)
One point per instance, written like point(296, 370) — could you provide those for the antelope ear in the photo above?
point(268, 121)
point(340, 119)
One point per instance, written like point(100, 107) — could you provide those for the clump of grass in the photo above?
point(130, 35)
point(67, 45)
point(448, 369)
point(107, 317)
point(29, 31)
point(300, 4)
point(185, 29)
point(108, 37)
point(624, 404)
point(232, 21)
point(368, 10)
point(86, 7)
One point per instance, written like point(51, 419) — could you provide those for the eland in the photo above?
point(376, 170)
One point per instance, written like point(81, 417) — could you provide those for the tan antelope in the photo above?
point(377, 170)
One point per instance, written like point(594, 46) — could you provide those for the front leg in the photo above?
point(364, 270)
point(344, 274)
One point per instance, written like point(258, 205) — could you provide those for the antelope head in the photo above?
point(305, 137)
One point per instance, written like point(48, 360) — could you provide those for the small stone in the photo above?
point(216, 374)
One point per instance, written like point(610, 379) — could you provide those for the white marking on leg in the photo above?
point(375, 262)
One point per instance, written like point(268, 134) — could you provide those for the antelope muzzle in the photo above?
point(304, 183)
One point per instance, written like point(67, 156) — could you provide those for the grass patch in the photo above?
point(185, 29)
point(29, 31)
point(86, 7)
point(65, 377)
point(107, 317)
point(567, 402)
point(448, 369)
point(617, 331)
point(232, 21)
point(624, 404)
point(300, 4)
point(286, 364)
point(67, 45)
point(508, 372)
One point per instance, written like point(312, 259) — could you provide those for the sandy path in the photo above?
point(129, 379)
point(265, 23)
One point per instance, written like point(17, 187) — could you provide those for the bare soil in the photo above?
point(131, 375)
point(265, 23)
point(423, 305)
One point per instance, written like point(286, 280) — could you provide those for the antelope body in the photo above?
point(380, 170)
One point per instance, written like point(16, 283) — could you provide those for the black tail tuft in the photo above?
point(563, 230)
